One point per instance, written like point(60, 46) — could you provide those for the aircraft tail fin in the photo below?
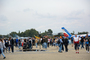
point(65, 32)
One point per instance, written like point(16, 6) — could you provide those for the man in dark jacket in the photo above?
point(66, 44)
point(12, 45)
point(6, 44)
point(82, 42)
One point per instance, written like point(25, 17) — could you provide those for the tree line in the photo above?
point(33, 32)
point(73, 33)
point(28, 33)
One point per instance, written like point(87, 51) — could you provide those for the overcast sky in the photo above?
point(20, 15)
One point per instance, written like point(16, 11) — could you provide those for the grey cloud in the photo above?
point(3, 18)
point(80, 12)
point(77, 12)
point(45, 16)
point(89, 15)
point(72, 18)
point(26, 10)
point(1, 1)
point(74, 15)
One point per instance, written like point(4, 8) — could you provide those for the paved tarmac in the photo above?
point(50, 54)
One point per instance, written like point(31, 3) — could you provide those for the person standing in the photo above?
point(87, 42)
point(48, 42)
point(24, 45)
point(19, 43)
point(51, 42)
point(45, 42)
point(22, 41)
point(33, 41)
point(6, 44)
point(56, 40)
point(66, 44)
point(27, 42)
point(1, 48)
point(30, 43)
point(9, 44)
point(12, 45)
point(36, 41)
point(16, 42)
point(60, 44)
point(42, 42)
point(76, 43)
point(79, 41)
point(82, 42)
point(72, 41)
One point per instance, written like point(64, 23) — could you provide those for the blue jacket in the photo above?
point(16, 40)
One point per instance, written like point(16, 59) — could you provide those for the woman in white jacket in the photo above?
point(1, 48)
point(76, 42)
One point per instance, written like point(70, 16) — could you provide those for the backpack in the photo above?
point(58, 41)
point(87, 43)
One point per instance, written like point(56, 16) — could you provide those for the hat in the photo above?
point(60, 36)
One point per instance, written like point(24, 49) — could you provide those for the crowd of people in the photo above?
point(7, 45)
